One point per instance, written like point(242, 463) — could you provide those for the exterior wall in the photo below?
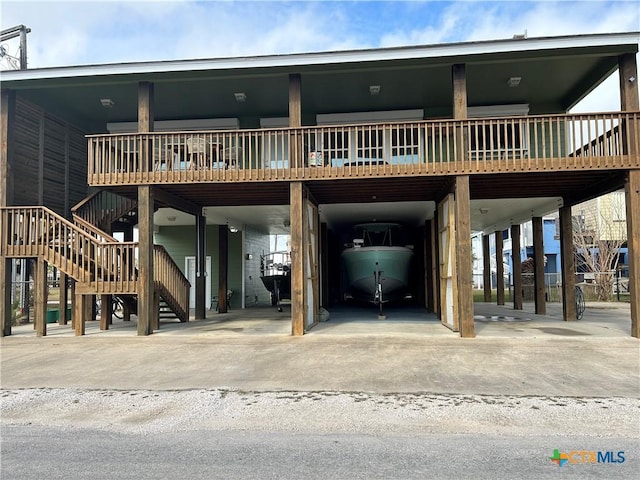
point(255, 244)
point(180, 242)
point(604, 216)
point(50, 164)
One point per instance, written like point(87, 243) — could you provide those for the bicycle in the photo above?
point(117, 306)
point(580, 303)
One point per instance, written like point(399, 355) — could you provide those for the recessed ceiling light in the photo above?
point(240, 96)
point(514, 81)
point(374, 89)
point(107, 102)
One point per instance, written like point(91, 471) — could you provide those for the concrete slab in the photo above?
point(252, 350)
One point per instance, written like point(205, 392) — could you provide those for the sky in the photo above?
point(92, 32)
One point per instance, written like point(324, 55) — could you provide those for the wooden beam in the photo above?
point(174, 201)
point(486, 268)
point(201, 267)
point(223, 267)
point(145, 259)
point(516, 260)
point(464, 261)
point(297, 258)
point(569, 309)
point(538, 262)
point(632, 198)
point(459, 79)
point(499, 267)
point(40, 297)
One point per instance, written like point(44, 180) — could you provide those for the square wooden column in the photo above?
point(298, 311)
point(538, 265)
point(569, 309)
point(40, 297)
point(63, 299)
point(223, 267)
point(435, 264)
point(296, 154)
point(632, 198)
point(145, 259)
point(486, 268)
point(464, 260)
point(499, 267)
point(7, 134)
point(516, 260)
point(201, 267)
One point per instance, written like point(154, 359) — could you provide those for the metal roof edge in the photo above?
point(459, 49)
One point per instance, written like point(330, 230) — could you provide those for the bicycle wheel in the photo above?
point(580, 303)
point(118, 308)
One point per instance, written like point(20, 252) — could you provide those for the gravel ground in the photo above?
point(145, 411)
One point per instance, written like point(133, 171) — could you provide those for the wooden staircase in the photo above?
point(98, 263)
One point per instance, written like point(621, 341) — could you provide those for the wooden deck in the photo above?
point(528, 144)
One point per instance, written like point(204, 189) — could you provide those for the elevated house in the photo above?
point(447, 139)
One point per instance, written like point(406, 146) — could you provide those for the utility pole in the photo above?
point(13, 32)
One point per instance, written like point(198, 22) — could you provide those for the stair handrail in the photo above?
point(170, 279)
point(103, 207)
point(95, 232)
point(107, 265)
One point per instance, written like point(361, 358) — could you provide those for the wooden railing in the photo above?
point(438, 147)
point(98, 267)
point(102, 208)
point(171, 282)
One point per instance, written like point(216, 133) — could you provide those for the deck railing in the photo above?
point(101, 267)
point(102, 208)
point(434, 147)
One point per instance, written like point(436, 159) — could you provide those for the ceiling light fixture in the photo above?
point(107, 102)
point(240, 96)
point(374, 89)
point(514, 81)
point(171, 218)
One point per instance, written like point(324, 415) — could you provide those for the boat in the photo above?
point(377, 264)
point(275, 273)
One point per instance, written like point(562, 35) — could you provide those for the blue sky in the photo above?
point(87, 32)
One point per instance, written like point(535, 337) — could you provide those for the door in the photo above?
point(190, 269)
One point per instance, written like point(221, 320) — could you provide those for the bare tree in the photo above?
point(599, 231)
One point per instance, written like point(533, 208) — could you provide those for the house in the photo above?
point(447, 139)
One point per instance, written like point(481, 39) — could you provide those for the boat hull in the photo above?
point(393, 263)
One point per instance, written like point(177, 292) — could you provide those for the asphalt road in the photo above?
point(36, 453)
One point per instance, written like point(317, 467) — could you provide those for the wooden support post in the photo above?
point(297, 206)
point(464, 261)
point(40, 297)
point(145, 259)
point(632, 198)
point(499, 267)
point(538, 265)
point(223, 267)
point(428, 265)
point(74, 298)
point(296, 155)
point(569, 308)
point(78, 318)
point(516, 260)
point(201, 267)
point(63, 299)
point(486, 269)
point(106, 311)
point(7, 135)
point(435, 265)
point(324, 262)
point(155, 318)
